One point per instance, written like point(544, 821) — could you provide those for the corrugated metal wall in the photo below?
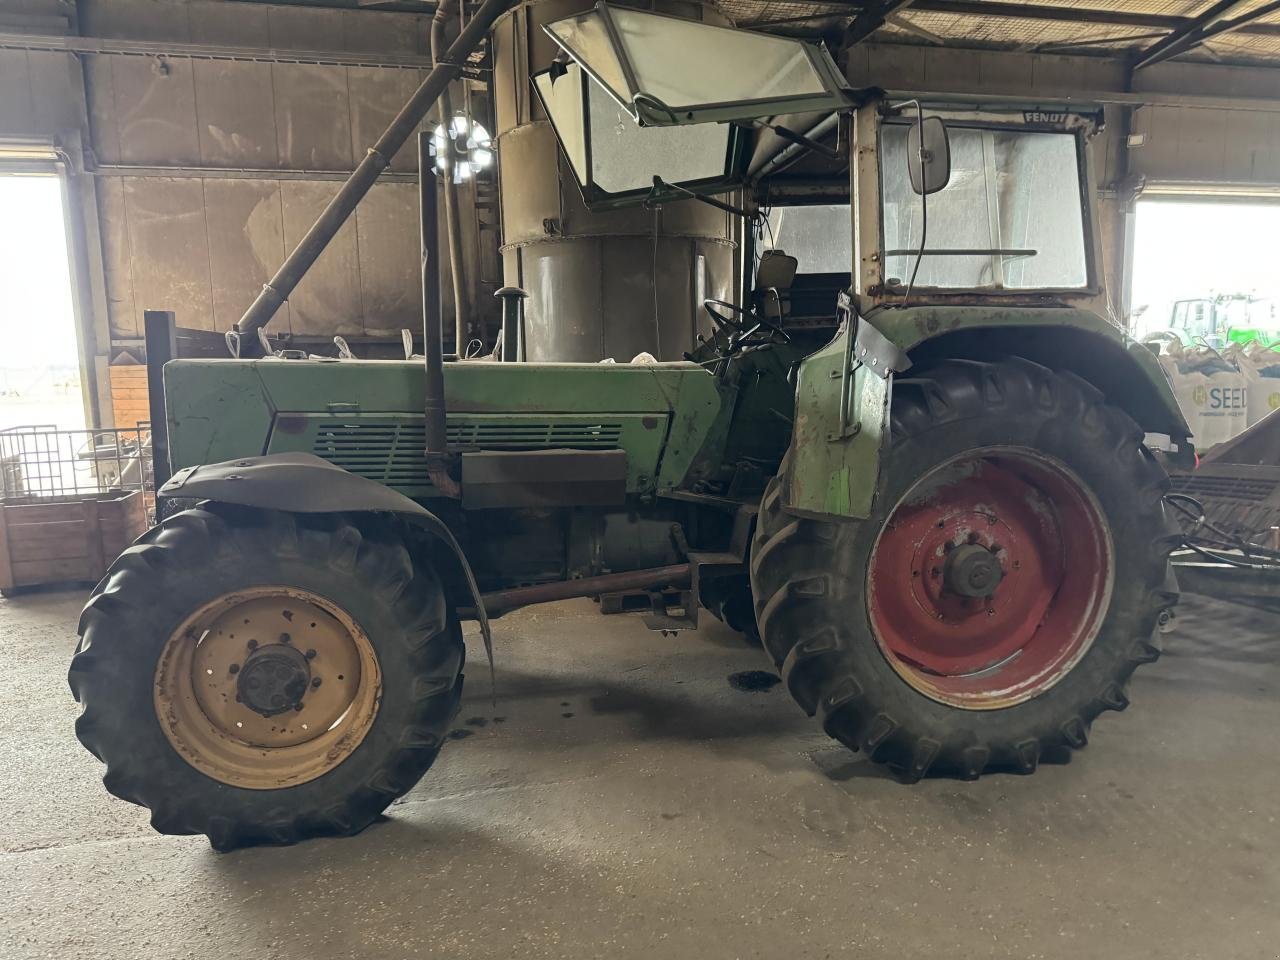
point(204, 245)
point(251, 142)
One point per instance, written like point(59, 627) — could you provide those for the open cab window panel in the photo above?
point(650, 107)
point(1013, 217)
point(615, 160)
point(668, 70)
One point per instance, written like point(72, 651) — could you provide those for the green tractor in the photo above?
point(927, 497)
point(1222, 319)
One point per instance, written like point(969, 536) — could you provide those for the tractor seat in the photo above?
point(771, 294)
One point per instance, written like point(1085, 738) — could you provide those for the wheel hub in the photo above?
point(273, 679)
point(267, 686)
point(972, 570)
point(990, 578)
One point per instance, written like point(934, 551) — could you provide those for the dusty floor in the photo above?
point(634, 804)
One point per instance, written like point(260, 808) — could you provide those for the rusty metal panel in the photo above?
point(169, 249)
point(312, 116)
point(122, 315)
point(375, 98)
point(304, 28)
point(215, 21)
point(155, 108)
point(235, 114)
point(246, 244)
point(17, 110)
point(327, 301)
point(387, 235)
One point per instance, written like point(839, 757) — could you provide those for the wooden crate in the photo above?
point(129, 397)
point(70, 539)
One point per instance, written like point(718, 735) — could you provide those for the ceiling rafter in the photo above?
point(1011, 9)
point(1213, 22)
point(871, 18)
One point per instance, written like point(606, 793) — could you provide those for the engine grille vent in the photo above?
point(391, 452)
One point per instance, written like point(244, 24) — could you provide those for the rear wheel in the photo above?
point(265, 677)
point(1007, 584)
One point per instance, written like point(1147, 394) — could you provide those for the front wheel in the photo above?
point(263, 677)
point(1009, 581)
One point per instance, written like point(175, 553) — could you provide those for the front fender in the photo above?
point(834, 472)
point(304, 483)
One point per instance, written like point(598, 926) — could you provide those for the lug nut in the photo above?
point(315, 682)
point(252, 644)
point(234, 668)
point(285, 638)
point(310, 654)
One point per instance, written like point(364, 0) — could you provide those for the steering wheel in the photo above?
point(745, 324)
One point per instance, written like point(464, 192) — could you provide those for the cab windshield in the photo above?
point(1010, 218)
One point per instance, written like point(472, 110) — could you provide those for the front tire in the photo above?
point(264, 677)
point(1007, 584)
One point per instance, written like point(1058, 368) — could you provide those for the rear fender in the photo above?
point(834, 466)
point(304, 483)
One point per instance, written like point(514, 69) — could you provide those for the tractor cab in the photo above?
point(957, 201)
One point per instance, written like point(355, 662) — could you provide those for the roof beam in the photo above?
point(1211, 23)
point(871, 18)
point(205, 51)
point(910, 26)
point(1092, 15)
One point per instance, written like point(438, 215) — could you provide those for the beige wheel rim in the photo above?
point(267, 687)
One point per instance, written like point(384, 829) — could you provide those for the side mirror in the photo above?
point(928, 155)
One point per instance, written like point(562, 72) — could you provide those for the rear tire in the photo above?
point(840, 655)
point(196, 771)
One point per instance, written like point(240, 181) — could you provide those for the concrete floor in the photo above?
point(632, 803)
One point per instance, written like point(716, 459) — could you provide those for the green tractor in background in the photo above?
point(1222, 319)
point(927, 495)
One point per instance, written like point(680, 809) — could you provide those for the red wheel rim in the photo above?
point(990, 578)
